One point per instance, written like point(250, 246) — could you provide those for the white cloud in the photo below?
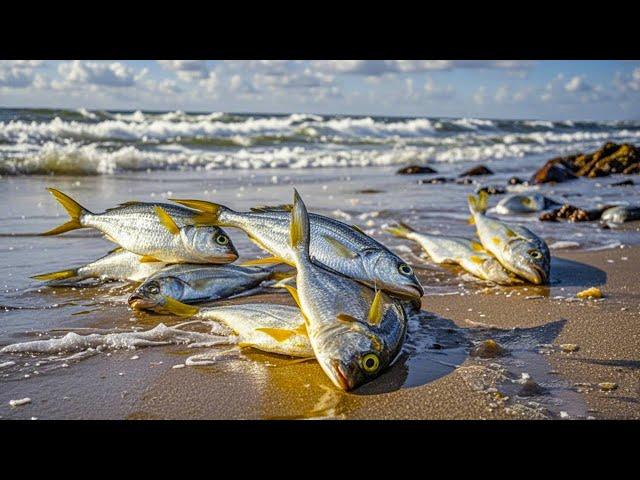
point(577, 84)
point(435, 91)
point(114, 74)
point(480, 95)
point(380, 67)
point(18, 73)
point(187, 70)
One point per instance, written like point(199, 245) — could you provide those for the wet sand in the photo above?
point(435, 378)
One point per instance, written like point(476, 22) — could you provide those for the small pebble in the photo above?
point(487, 349)
point(180, 365)
point(592, 292)
point(17, 403)
point(607, 386)
point(564, 415)
point(569, 347)
point(135, 357)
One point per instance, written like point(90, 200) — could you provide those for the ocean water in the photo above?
point(344, 167)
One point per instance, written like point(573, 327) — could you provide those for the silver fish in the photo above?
point(524, 203)
point(200, 283)
point(620, 214)
point(341, 247)
point(355, 332)
point(517, 248)
point(157, 231)
point(119, 264)
point(468, 254)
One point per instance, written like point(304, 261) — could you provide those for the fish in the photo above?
point(200, 283)
point(270, 328)
point(119, 264)
point(354, 330)
point(524, 203)
point(517, 248)
point(156, 231)
point(620, 214)
point(341, 247)
point(469, 254)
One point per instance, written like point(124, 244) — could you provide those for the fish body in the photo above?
point(517, 248)
point(268, 327)
point(188, 283)
point(157, 231)
point(620, 214)
point(119, 264)
point(341, 247)
point(354, 331)
point(524, 203)
point(469, 254)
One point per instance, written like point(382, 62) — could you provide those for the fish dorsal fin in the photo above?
point(339, 248)
point(357, 229)
point(279, 334)
point(124, 204)
point(299, 229)
point(148, 259)
point(374, 317)
point(263, 261)
point(287, 207)
point(178, 308)
point(167, 221)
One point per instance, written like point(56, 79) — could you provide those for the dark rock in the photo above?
point(435, 180)
point(572, 214)
point(487, 349)
point(475, 171)
point(515, 181)
point(552, 171)
point(369, 191)
point(492, 190)
point(624, 183)
point(415, 170)
point(530, 388)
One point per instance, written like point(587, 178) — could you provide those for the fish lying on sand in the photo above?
point(468, 254)
point(524, 203)
point(341, 247)
point(620, 214)
point(355, 332)
point(267, 327)
point(156, 231)
point(200, 283)
point(517, 248)
point(119, 264)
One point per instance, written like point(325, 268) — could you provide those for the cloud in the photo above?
point(113, 74)
point(187, 70)
point(435, 91)
point(577, 84)
point(480, 95)
point(381, 67)
point(18, 73)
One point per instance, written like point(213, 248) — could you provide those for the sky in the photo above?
point(554, 90)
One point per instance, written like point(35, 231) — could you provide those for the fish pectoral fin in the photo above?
point(167, 221)
point(60, 275)
point(178, 308)
point(148, 259)
point(476, 259)
point(279, 334)
point(346, 318)
point(263, 261)
point(339, 248)
point(374, 317)
point(294, 294)
point(357, 228)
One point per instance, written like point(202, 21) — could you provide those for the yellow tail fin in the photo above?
point(480, 203)
point(73, 208)
point(399, 230)
point(209, 212)
point(61, 275)
point(262, 261)
point(299, 229)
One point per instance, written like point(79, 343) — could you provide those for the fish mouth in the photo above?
point(340, 379)
point(409, 291)
point(138, 302)
point(225, 258)
point(536, 275)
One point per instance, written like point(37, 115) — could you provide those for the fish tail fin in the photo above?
point(399, 230)
point(299, 234)
point(60, 275)
point(73, 208)
point(478, 204)
point(208, 213)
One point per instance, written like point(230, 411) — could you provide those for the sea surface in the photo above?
point(343, 166)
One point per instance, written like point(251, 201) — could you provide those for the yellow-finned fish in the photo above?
point(200, 283)
point(355, 332)
point(267, 327)
point(468, 254)
point(156, 231)
point(341, 247)
point(517, 248)
point(119, 264)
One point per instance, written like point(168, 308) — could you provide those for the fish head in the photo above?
point(531, 260)
point(208, 243)
point(392, 274)
point(352, 352)
point(497, 273)
point(151, 294)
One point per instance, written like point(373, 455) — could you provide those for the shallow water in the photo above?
point(368, 194)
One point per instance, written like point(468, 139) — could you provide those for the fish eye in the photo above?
point(370, 362)
point(535, 254)
point(153, 288)
point(222, 240)
point(405, 269)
